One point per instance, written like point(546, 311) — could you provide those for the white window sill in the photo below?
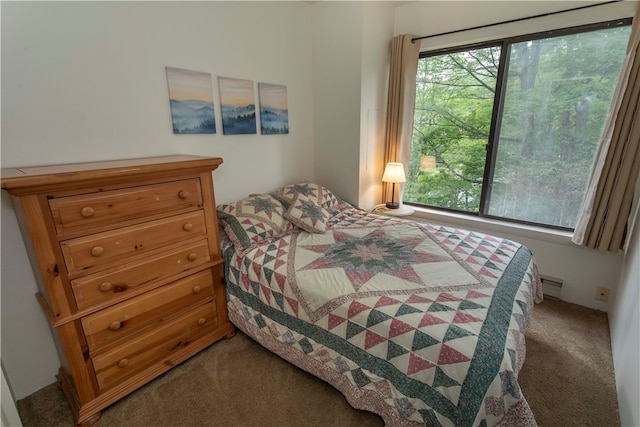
point(491, 226)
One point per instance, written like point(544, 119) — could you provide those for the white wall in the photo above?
point(624, 323)
point(351, 42)
point(337, 49)
point(86, 81)
point(376, 47)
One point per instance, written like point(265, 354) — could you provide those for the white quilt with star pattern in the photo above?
point(419, 323)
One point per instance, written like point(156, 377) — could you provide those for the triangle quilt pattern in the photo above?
point(429, 335)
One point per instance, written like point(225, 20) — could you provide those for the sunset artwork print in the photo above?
point(191, 100)
point(238, 106)
point(274, 109)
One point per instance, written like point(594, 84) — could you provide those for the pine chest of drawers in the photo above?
point(128, 266)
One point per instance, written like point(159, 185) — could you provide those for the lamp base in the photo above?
point(391, 205)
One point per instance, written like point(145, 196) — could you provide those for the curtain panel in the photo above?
point(400, 105)
point(605, 212)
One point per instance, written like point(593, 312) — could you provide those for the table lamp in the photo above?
point(393, 173)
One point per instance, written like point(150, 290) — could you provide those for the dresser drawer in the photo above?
point(126, 318)
point(150, 347)
point(88, 251)
point(87, 210)
point(121, 280)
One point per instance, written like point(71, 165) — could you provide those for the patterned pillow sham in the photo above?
point(322, 196)
point(307, 214)
point(251, 221)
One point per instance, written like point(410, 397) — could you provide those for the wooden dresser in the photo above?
point(128, 266)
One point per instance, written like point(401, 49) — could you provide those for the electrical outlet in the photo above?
point(602, 294)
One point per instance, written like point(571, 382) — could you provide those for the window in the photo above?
point(510, 129)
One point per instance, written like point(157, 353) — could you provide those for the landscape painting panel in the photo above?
point(191, 100)
point(274, 109)
point(237, 101)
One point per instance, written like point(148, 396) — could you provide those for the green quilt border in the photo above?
point(485, 364)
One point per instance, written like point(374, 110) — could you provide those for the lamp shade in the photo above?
point(394, 172)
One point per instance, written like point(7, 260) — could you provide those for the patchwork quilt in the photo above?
point(419, 323)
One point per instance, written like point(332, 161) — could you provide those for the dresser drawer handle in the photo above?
point(123, 363)
point(87, 212)
point(96, 251)
point(201, 321)
point(114, 326)
point(183, 194)
point(192, 256)
point(106, 287)
point(196, 289)
point(187, 227)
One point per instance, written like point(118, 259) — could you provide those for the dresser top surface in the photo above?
point(36, 176)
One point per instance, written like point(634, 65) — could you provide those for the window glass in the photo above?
point(555, 95)
point(454, 99)
point(558, 94)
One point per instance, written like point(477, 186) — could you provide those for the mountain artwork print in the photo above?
point(238, 106)
point(274, 109)
point(191, 101)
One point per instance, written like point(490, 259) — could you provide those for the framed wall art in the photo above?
point(191, 101)
point(238, 107)
point(274, 109)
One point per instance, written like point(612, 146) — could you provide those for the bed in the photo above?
point(419, 323)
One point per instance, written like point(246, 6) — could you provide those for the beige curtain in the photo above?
point(400, 104)
point(607, 205)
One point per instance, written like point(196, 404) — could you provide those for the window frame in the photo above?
point(498, 105)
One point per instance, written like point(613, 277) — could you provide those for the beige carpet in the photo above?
point(567, 379)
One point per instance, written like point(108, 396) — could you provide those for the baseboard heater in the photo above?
point(551, 287)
